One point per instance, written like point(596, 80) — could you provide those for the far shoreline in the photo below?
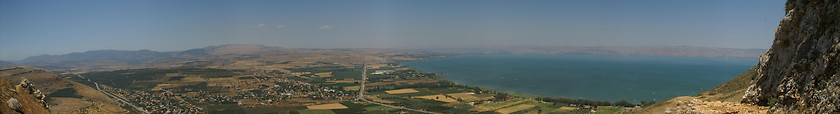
point(531, 95)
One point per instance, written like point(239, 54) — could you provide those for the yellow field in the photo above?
point(323, 74)
point(566, 108)
point(494, 106)
point(515, 108)
point(161, 87)
point(438, 98)
point(400, 91)
point(327, 106)
point(467, 96)
point(376, 66)
point(375, 98)
point(299, 73)
point(352, 88)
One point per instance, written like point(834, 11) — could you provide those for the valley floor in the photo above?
point(327, 89)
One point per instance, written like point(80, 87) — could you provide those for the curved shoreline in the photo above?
point(641, 94)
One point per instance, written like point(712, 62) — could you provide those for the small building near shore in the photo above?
point(382, 71)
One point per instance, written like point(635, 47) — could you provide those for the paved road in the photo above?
point(121, 100)
point(362, 95)
point(116, 98)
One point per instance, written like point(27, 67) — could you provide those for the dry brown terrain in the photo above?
point(326, 106)
point(400, 91)
point(375, 98)
point(27, 102)
point(467, 96)
point(488, 107)
point(695, 106)
point(730, 91)
point(438, 98)
point(49, 82)
point(512, 109)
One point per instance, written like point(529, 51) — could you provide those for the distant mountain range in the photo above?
point(241, 56)
point(97, 55)
point(5, 63)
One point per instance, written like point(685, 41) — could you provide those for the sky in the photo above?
point(37, 27)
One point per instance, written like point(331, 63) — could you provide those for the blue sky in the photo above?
point(33, 27)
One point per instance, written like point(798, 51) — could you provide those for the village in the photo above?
point(329, 90)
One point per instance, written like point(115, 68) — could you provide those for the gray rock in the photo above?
point(799, 74)
point(14, 104)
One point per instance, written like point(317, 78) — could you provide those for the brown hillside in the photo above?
point(729, 91)
point(732, 90)
point(49, 82)
point(27, 102)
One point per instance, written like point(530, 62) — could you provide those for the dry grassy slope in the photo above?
point(48, 82)
point(30, 104)
point(730, 91)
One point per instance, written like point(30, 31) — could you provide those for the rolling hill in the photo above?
point(63, 96)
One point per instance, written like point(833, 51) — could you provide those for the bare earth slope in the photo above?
point(728, 94)
point(16, 100)
point(49, 82)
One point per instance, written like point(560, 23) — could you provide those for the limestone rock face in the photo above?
point(799, 74)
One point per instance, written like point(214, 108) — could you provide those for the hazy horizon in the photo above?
point(30, 28)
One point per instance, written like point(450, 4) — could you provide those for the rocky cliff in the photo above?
point(799, 74)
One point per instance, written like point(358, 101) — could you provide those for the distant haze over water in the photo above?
point(595, 77)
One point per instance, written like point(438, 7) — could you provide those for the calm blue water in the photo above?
point(596, 77)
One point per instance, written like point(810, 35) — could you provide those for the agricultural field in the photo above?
point(437, 98)
point(401, 91)
point(315, 112)
point(313, 90)
point(466, 96)
point(327, 106)
point(499, 105)
point(515, 108)
point(147, 79)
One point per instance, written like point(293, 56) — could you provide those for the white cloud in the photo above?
point(281, 26)
point(325, 27)
point(260, 25)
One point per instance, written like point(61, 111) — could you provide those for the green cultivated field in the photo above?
point(225, 109)
point(315, 112)
point(134, 78)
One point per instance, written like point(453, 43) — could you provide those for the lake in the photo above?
point(594, 77)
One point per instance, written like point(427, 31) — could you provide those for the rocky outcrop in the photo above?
point(696, 106)
point(40, 83)
point(29, 88)
point(22, 98)
point(799, 74)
